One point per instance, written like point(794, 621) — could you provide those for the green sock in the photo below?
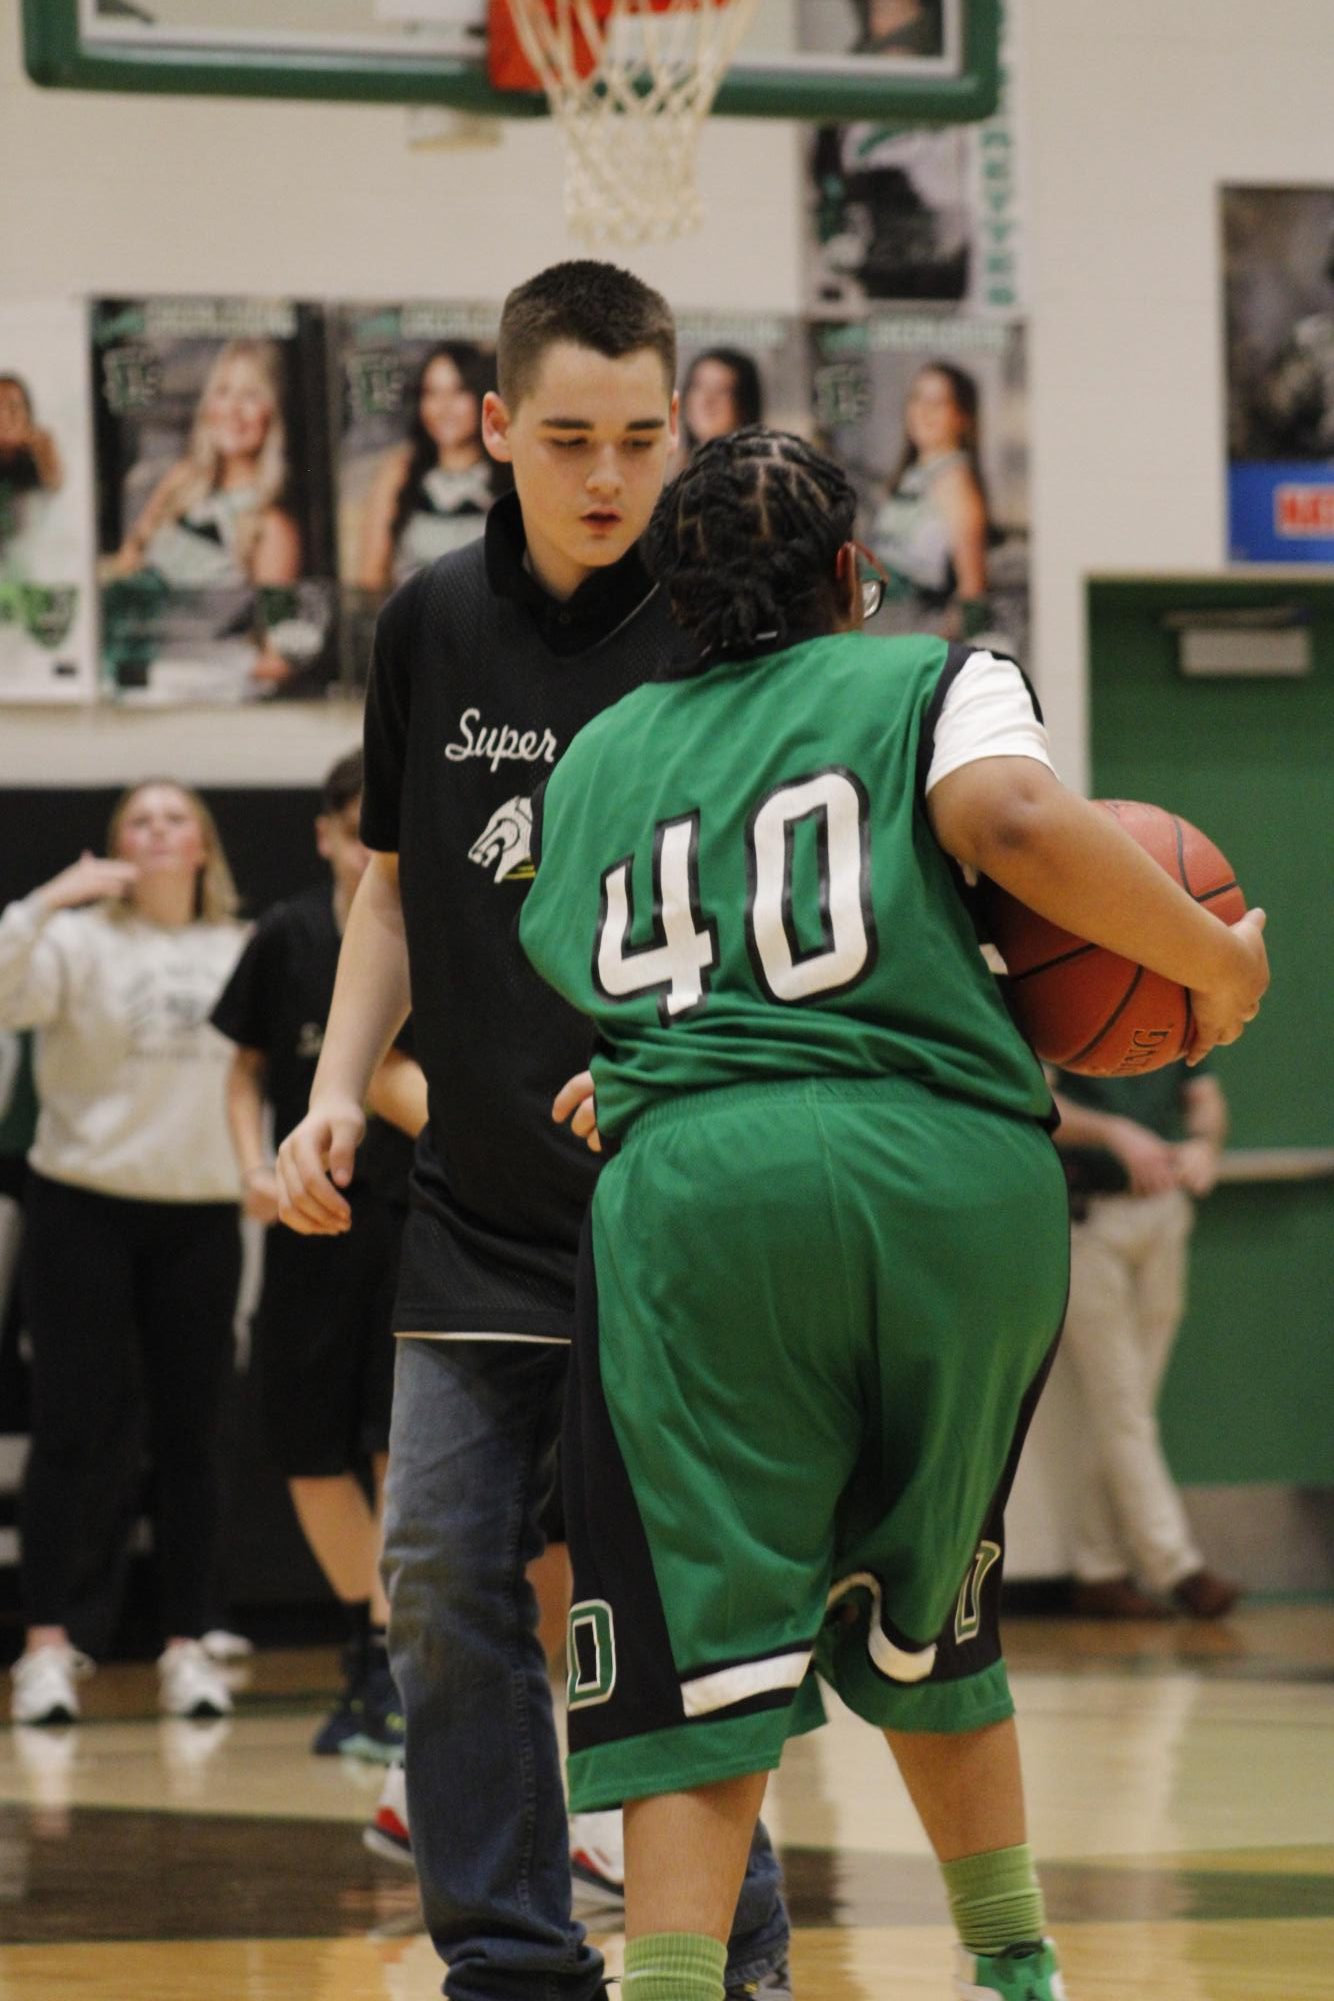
point(674, 1966)
point(995, 1899)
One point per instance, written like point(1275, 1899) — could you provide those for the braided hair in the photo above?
point(744, 540)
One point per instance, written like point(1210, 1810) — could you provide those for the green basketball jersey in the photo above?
point(737, 881)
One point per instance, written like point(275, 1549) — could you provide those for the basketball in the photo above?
point(1087, 1009)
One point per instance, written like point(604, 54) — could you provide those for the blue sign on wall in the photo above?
point(1281, 511)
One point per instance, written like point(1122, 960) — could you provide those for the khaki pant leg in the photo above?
point(1130, 1515)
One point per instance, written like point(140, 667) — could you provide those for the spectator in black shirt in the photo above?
point(324, 1344)
point(486, 663)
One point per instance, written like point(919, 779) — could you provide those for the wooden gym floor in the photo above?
point(1181, 1785)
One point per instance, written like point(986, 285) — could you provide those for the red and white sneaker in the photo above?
point(597, 1856)
point(387, 1834)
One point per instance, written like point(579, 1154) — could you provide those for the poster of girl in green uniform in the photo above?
point(213, 499)
point(46, 556)
point(929, 417)
point(735, 369)
point(414, 479)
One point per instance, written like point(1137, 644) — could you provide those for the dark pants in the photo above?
point(128, 1302)
point(472, 1457)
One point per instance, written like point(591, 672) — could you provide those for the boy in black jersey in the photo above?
point(486, 664)
point(323, 1337)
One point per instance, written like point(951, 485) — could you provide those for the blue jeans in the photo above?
point(472, 1456)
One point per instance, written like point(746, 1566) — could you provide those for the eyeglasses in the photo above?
point(874, 585)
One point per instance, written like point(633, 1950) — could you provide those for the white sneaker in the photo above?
point(597, 1861)
point(190, 1683)
point(597, 1847)
point(227, 1648)
point(44, 1679)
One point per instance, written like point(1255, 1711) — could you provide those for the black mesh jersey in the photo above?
point(277, 1001)
point(479, 681)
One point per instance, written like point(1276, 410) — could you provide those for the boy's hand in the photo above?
point(1222, 1012)
point(259, 1195)
point(1149, 1161)
point(576, 1097)
point(1197, 1166)
point(315, 1162)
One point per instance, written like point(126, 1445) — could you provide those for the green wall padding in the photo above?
point(1250, 1393)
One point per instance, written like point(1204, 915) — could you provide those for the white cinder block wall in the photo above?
point(1134, 112)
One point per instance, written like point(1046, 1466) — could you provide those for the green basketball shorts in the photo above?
point(814, 1319)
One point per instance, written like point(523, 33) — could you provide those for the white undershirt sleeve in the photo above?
point(988, 712)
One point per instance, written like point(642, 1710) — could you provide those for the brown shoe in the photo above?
point(1115, 1598)
point(1206, 1595)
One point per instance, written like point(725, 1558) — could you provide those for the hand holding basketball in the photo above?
point(1222, 1013)
point(1093, 1011)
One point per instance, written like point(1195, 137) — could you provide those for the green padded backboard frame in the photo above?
point(58, 56)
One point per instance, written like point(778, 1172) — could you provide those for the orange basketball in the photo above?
point(1088, 1009)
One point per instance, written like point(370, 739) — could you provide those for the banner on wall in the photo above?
point(900, 213)
point(1278, 273)
point(47, 641)
point(413, 477)
point(414, 481)
point(735, 369)
point(929, 416)
point(215, 532)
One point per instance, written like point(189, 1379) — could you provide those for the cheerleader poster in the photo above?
point(414, 478)
point(929, 417)
point(741, 368)
point(214, 513)
point(47, 641)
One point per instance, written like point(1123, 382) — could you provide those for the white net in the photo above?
point(631, 123)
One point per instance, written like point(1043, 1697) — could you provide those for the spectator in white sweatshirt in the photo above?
point(132, 1250)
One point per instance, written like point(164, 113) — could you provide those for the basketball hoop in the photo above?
point(629, 83)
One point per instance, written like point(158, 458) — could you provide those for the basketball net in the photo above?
point(629, 83)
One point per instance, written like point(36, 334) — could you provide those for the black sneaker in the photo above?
point(775, 1984)
point(346, 1719)
point(379, 1733)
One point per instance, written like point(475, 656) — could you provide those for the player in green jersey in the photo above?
point(825, 1268)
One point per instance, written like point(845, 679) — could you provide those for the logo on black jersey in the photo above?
point(506, 842)
point(499, 743)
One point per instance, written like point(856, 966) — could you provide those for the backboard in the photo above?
point(918, 61)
